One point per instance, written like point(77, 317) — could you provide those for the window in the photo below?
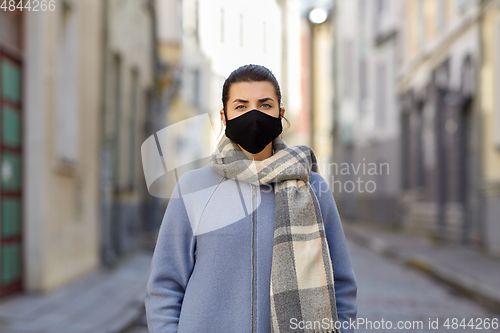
point(67, 111)
point(380, 6)
point(362, 17)
point(10, 27)
point(420, 145)
point(378, 19)
point(197, 21)
point(362, 8)
point(461, 4)
point(405, 149)
point(264, 37)
point(441, 14)
point(347, 67)
point(241, 29)
point(421, 22)
point(362, 85)
point(117, 113)
point(381, 95)
point(222, 31)
point(197, 88)
point(134, 92)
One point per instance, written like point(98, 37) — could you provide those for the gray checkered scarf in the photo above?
point(302, 282)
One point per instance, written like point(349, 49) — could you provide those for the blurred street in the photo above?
point(396, 293)
point(392, 285)
point(101, 302)
point(397, 283)
point(392, 290)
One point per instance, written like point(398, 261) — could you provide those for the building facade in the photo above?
point(12, 194)
point(75, 82)
point(51, 175)
point(366, 154)
point(489, 82)
point(128, 54)
point(216, 38)
point(440, 126)
point(220, 36)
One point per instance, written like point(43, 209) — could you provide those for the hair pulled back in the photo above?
point(249, 73)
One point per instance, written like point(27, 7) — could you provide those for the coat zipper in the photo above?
point(253, 258)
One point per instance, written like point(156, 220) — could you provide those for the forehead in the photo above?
point(249, 90)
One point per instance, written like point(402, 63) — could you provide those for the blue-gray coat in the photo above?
point(211, 266)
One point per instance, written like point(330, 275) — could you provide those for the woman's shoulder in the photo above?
point(206, 173)
point(195, 180)
point(320, 186)
point(317, 179)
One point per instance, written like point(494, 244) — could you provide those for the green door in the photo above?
point(11, 258)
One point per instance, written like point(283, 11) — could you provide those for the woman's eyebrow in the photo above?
point(239, 100)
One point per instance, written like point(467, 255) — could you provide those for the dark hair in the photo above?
point(249, 73)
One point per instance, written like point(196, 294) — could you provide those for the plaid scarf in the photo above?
point(302, 282)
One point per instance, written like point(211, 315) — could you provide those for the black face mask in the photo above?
point(253, 130)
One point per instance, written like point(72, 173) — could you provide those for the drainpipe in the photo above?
point(312, 85)
point(104, 191)
point(155, 120)
point(156, 61)
point(477, 79)
point(335, 119)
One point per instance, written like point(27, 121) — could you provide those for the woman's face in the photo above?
point(246, 96)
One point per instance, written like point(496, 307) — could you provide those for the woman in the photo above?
point(253, 242)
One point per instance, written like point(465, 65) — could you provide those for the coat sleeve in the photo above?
point(171, 267)
point(344, 278)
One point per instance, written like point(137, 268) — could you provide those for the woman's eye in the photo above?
point(266, 105)
point(238, 107)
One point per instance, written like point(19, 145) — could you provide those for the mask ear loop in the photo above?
point(225, 116)
point(281, 118)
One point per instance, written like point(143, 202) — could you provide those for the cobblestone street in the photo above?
point(393, 292)
point(101, 302)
